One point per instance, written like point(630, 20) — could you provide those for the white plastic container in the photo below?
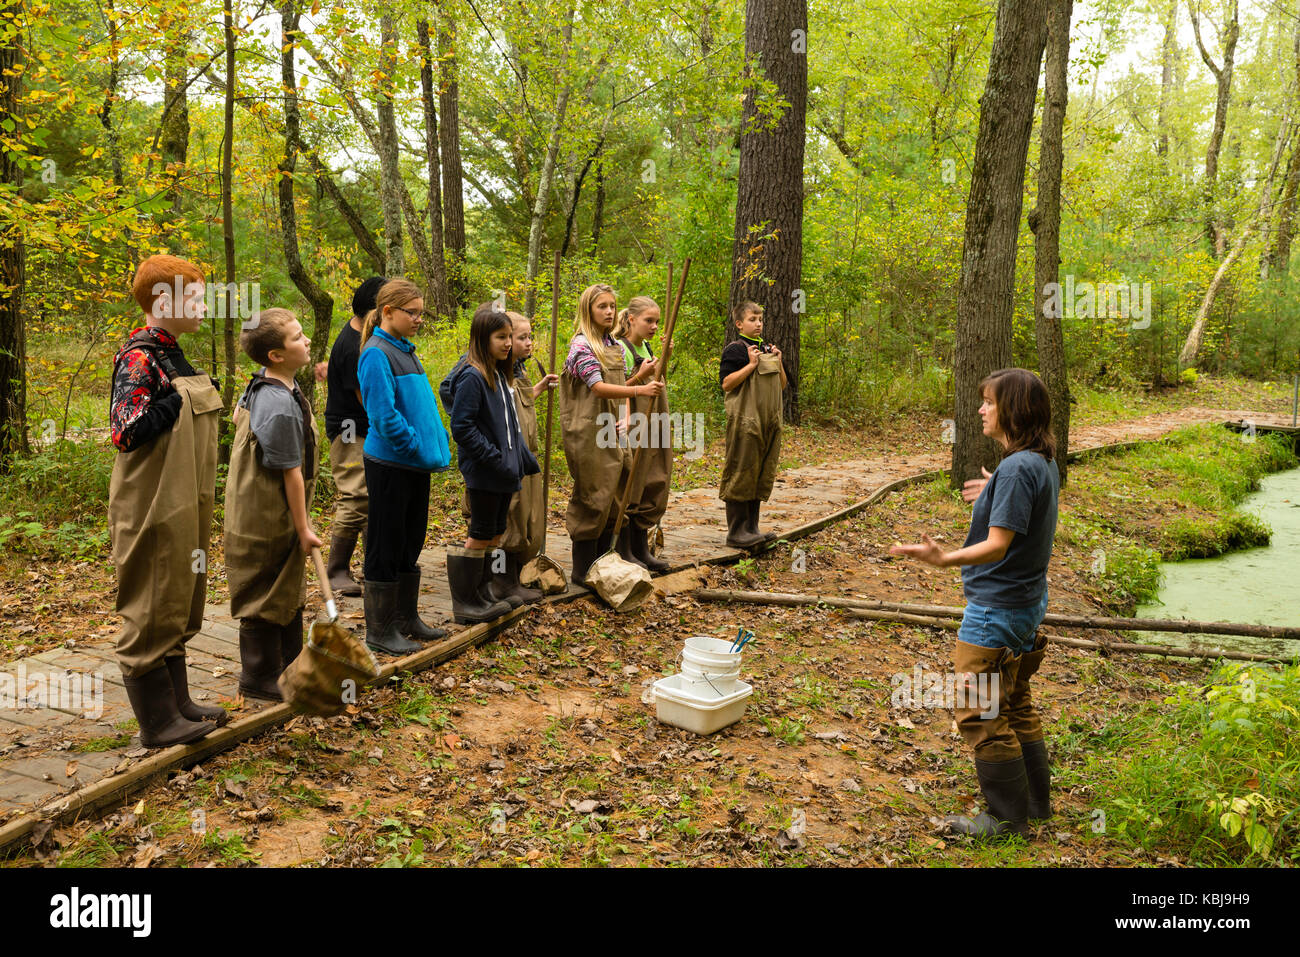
point(707, 682)
point(682, 708)
point(715, 652)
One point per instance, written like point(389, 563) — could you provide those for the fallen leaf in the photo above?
point(139, 808)
point(451, 740)
point(71, 769)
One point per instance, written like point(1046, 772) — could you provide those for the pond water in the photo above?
point(1259, 585)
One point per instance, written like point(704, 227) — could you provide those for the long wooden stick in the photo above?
point(550, 403)
point(663, 365)
point(1068, 621)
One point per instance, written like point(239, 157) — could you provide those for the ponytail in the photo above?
point(368, 326)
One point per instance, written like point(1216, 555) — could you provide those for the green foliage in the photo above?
point(1209, 771)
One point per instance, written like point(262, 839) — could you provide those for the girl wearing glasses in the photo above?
point(406, 442)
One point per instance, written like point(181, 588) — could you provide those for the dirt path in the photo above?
point(46, 753)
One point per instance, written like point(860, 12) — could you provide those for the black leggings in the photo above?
point(488, 512)
point(399, 518)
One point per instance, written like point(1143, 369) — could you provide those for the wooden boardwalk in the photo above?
point(47, 753)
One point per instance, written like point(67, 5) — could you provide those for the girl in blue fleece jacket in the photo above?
point(405, 443)
point(493, 457)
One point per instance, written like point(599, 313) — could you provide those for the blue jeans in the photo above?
point(1014, 628)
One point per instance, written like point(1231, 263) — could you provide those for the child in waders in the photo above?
point(1004, 576)
point(648, 427)
point(493, 456)
point(346, 426)
point(164, 416)
point(405, 444)
point(268, 532)
point(591, 386)
point(752, 377)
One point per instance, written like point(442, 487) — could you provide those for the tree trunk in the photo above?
point(577, 193)
point(1046, 224)
point(322, 303)
point(1167, 52)
point(389, 172)
point(453, 203)
point(767, 260)
point(1223, 91)
point(437, 296)
point(365, 238)
point(13, 330)
point(228, 228)
point(542, 200)
point(988, 265)
point(1197, 334)
point(598, 210)
point(176, 121)
point(1279, 256)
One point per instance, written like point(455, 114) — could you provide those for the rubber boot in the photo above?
point(259, 656)
point(153, 699)
point(466, 573)
point(382, 634)
point(751, 523)
point(738, 533)
point(291, 640)
point(408, 610)
point(1039, 773)
point(338, 572)
point(1006, 794)
point(624, 546)
point(641, 549)
point(181, 686)
point(584, 553)
point(506, 586)
point(498, 578)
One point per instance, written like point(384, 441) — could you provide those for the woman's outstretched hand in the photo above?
point(928, 552)
point(971, 490)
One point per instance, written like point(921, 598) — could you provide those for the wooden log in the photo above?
point(946, 623)
point(1183, 625)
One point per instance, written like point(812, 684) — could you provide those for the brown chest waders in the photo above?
point(597, 462)
point(265, 563)
point(160, 518)
point(753, 434)
point(527, 522)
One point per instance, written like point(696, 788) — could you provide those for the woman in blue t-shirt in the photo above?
point(1004, 577)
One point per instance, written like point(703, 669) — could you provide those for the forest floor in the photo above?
point(542, 748)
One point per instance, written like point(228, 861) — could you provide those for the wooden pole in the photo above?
point(1183, 625)
point(663, 366)
point(550, 403)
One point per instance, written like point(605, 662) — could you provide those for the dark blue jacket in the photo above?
point(490, 446)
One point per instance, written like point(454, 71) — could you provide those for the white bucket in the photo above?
point(680, 706)
point(712, 653)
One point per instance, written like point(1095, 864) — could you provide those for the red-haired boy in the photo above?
point(164, 417)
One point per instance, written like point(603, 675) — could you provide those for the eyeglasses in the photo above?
point(417, 316)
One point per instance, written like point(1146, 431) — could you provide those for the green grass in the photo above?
point(1211, 772)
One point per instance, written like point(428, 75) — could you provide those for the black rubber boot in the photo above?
point(408, 610)
point(738, 533)
point(1039, 773)
point(624, 546)
point(339, 573)
point(506, 586)
point(181, 686)
point(641, 549)
point(584, 553)
point(751, 522)
point(1006, 793)
point(381, 620)
point(153, 699)
point(259, 655)
point(291, 640)
point(498, 578)
point(467, 570)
